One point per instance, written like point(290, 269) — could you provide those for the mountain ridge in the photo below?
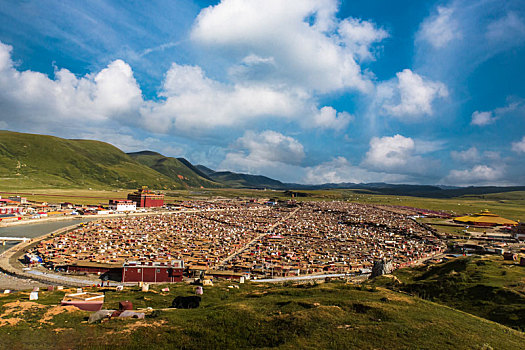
point(33, 160)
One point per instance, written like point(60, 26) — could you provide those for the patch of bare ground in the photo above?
point(57, 310)
point(407, 299)
point(17, 308)
point(393, 278)
point(59, 330)
point(131, 327)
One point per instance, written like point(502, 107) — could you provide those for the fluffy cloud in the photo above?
point(359, 36)
point(195, 102)
point(440, 29)
point(519, 146)
point(400, 155)
point(489, 117)
point(32, 100)
point(410, 96)
point(479, 174)
point(267, 152)
point(278, 156)
point(306, 43)
point(272, 146)
point(189, 101)
point(482, 118)
point(329, 118)
point(390, 152)
point(339, 169)
point(286, 53)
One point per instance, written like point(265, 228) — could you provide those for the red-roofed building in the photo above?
point(146, 198)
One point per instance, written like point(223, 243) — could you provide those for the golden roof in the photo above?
point(485, 217)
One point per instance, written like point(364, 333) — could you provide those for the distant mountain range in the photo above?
point(39, 161)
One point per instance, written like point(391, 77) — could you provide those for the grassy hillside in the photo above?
point(172, 168)
point(488, 287)
point(235, 180)
point(40, 161)
point(193, 168)
point(326, 316)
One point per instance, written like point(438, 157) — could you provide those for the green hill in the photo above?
point(333, 315)
point(236, 180)
point(488, 286)
point(41, 161)
point(178, 170)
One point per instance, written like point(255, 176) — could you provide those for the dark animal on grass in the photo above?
point(191, 302)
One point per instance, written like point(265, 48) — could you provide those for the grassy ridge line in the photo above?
point(172, 168)
point(41, 161)
point(321, 316)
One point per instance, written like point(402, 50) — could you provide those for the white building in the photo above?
point(122, 205)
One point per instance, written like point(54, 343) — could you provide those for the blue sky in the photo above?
point(307, 91)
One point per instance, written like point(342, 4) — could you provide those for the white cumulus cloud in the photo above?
point(329, 118)
point(268, 152)
point(519, 146)
point(410, 96)
point(307, 45)
point(489, 117)
point(390, 152)
point(359, 36)
point(339, 169)
point(479, 175)
point(33, 100)
point(482, 118)
point(400, 155)
point(195, 102)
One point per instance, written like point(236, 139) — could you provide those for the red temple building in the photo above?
point(146, 198)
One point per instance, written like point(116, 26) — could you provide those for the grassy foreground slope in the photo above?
point(40, 161)
point(487, 286)
point(173, 168)
point(331, 315)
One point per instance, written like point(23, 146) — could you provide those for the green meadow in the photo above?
point(334, 315)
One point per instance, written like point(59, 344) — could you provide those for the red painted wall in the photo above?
point(151, 274)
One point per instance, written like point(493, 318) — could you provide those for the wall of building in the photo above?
point(151, 274)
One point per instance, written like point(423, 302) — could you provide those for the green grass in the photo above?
point(485, 286)
point(173, 169)
point(40, 161)
point(324, 316)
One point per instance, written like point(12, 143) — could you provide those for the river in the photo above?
point(35, 230)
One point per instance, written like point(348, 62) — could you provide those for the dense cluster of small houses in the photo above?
point(252, 239)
